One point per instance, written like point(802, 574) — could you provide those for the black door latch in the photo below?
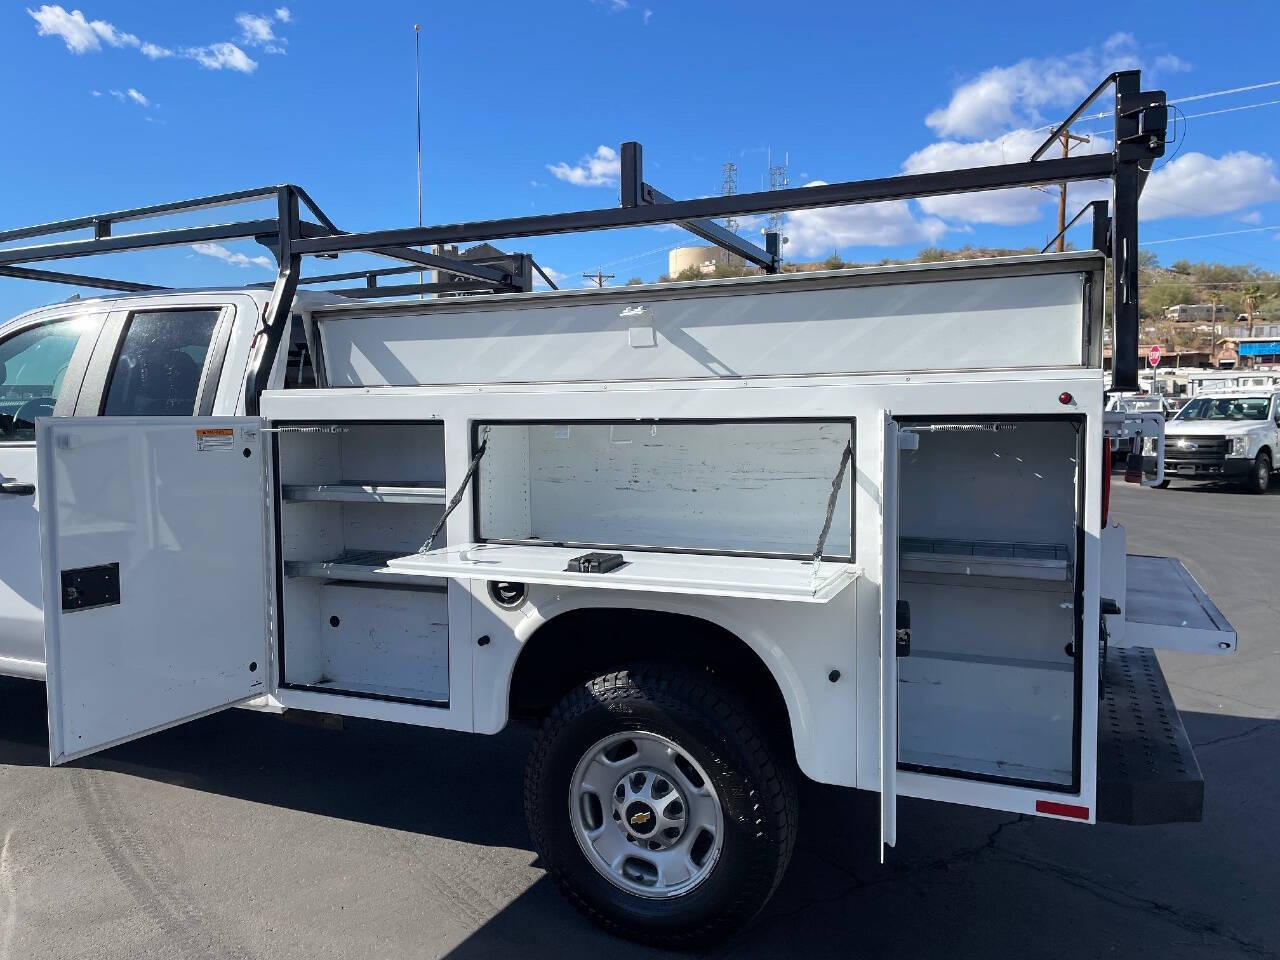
point(902, 639)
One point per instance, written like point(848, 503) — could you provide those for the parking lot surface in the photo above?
point(248, 836)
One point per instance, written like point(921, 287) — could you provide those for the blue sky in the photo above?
point(114, 104)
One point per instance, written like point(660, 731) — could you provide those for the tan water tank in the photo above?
point(706, 259)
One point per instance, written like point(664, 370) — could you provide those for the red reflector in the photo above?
point(1065, 398)
point(1062, 809)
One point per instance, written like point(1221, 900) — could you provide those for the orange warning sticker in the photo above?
point(214, 438)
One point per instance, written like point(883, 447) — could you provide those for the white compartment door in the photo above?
point(153, 533)
point(888, 633)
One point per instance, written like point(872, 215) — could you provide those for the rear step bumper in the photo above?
point(1147, 770)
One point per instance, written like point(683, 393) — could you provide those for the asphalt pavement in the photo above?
point(248, 836)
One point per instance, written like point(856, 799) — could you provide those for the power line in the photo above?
point(1198, 96)
point(1214, 113)
point(1208, 236)
point(599, 277)
point(1222, 93)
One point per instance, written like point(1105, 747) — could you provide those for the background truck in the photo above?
point(1231, 434)
point(708, 537)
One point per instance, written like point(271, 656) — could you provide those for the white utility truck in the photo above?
point(1227, 434)
point(708, 536)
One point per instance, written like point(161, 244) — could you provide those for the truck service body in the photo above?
point(849, 524)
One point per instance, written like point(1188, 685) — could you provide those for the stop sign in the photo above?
point(1153, 355)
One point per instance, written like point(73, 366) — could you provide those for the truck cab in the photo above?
point(1223, 435)
point(169, 354)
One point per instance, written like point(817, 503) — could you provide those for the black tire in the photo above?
point(1260, 475)
point(1163, 485)
point(696, 711)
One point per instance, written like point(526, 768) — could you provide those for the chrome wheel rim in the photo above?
point(646, 815)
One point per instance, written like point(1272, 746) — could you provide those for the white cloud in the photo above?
point(815, 232)
point(96, 93)
point(1195, 184)
point(1036, 90)
point(82, 35)
point(283, 15)
point(128, 95)
point(1006, 207)
point(648, 15)
point(613, 6)
point(256, 31)
point(79, 34)
point(556, 276)
point(221, 56)
point(219, 252)
point(1168, 63)
point(600, 169)
point(1253, 217)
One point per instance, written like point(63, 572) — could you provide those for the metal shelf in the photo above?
point(1049, 562)
point(363, 492)
point(368, 566)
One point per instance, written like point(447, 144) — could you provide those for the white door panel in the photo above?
point(21, 628)
point(889, 635)
point(155, 573)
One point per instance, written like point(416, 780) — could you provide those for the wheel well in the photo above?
point(579, 645)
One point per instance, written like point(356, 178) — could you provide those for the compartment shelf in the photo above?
point(368, 566)
point(363, 493)
point(1049, 562)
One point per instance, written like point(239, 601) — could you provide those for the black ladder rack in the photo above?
point(1139, 135)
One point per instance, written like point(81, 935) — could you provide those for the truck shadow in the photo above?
point(961, 881)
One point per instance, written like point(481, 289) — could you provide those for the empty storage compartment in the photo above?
point(370, 640)
point(352, 496)
point(760, 488)
point(988, 517)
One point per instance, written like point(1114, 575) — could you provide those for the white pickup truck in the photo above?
point(1223, 435)
point(709, 536)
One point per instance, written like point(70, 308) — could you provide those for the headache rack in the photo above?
point(1140, 122)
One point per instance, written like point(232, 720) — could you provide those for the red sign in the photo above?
point(1153, 355)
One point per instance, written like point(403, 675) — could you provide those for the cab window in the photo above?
point(33, 364)
point(157, 371)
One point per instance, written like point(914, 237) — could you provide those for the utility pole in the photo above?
point(599, 277)
point(1066, 138)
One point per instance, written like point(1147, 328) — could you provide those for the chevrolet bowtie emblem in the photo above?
point(643, 817)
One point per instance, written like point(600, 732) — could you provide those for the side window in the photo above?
point(299, 371)
point(33, 363)
point(157, 371)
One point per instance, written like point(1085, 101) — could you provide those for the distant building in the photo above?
point(704, 259)
point(1262, 349)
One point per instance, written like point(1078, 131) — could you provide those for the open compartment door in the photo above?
point(155, 567)
point(888, 634)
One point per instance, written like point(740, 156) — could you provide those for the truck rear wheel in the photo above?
point(659, 807)
point(1260, 475)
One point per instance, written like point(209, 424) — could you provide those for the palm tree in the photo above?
point(1253, 296)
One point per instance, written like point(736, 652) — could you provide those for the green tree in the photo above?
point(833, 262)
point(634, 282)
point(690, 273)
